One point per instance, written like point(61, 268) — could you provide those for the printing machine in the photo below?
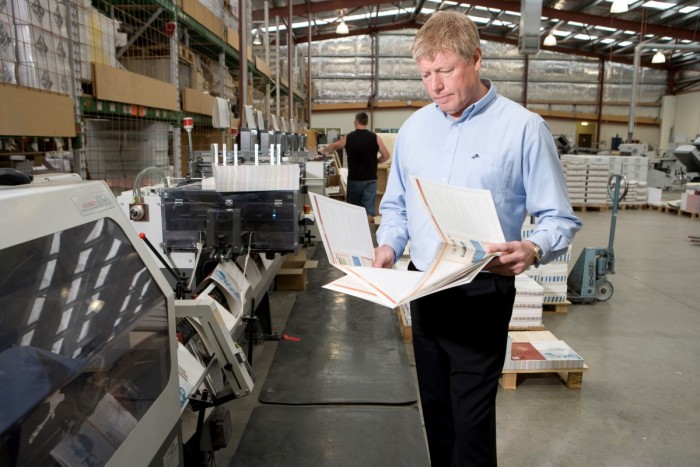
point(689, 156)
point(120, 317)
point(88, 347)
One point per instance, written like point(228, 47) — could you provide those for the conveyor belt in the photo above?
point(342, 350)
point(320, 436)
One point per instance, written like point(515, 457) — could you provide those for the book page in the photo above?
point(460, 214)
point(395, 286)
point(344, 230)
point(463, 218)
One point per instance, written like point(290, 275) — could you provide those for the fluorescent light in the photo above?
point(550, 40)
point(658, 58)
point(618, 6)
point(658, 5)
point(688, 9)
point(342, 28)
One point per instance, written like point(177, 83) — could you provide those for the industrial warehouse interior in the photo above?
point(184, 266)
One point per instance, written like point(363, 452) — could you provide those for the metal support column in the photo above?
point(76, 87)
point(175, 80)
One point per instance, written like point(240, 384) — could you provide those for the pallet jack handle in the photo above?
point(616, 182)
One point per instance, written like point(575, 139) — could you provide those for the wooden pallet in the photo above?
point(590, 207)
point(681, 212)
point(625, 206)
point(562, 307)
point(526, 328)
point(572, 376)
point(404, 327)
point(673, 210)
point(186, 55)
point(573, 379)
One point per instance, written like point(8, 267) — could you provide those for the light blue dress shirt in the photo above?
point(496, 145)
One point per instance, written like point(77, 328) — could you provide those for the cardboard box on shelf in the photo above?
point(197, 102)
point(293, 273)
point(36, 113)
point(335, 188)
point(203, 16)
point(117, 85)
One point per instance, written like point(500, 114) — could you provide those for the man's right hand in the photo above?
point(384, 257)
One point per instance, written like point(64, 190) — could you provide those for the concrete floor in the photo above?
point(639, 404)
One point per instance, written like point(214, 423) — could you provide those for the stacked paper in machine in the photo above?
point(527, 309)
point(551, 276)
point(539, 350)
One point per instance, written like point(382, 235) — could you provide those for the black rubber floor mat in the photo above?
point(332, 436)
point(338, 349)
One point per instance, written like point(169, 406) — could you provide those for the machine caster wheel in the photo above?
point(604, 291)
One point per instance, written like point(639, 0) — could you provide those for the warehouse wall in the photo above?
point(393, 119)
point(680, 119)
point(562, 88)
point(389, 119)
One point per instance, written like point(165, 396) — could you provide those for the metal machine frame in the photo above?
point(53, 205)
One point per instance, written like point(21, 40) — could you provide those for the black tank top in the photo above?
point(362, 149)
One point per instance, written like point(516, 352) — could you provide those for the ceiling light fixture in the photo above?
point(342, 27)
point(256, 39)
point(550, 40)
point(658, 58)
point(619, 6)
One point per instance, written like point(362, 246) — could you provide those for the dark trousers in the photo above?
point(459, 340)
point(363, 193)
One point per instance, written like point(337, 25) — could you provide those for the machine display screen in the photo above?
point(83, 345)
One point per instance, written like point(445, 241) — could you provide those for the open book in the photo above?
point(464, 220)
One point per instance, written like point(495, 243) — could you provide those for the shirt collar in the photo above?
point(477, 106)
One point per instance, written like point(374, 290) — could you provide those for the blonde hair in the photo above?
point(446, 30)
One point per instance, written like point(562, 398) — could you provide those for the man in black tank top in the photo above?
point(362, 147)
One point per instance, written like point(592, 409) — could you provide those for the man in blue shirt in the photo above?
point(469, 137)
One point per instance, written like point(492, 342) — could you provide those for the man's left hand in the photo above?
point(515, 257)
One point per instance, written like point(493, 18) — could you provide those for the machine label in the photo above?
point(92, 202)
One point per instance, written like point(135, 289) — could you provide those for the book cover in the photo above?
point(559, 354)
point(525, 351)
